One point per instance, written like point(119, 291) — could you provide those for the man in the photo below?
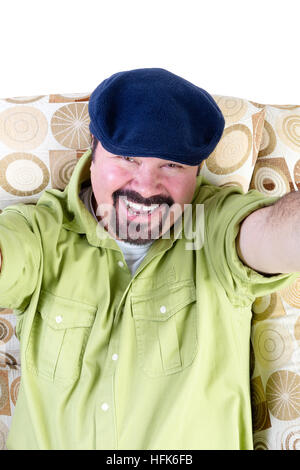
point(134, 286)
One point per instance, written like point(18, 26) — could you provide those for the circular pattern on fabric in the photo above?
point(64, 172)
point(297, 329)
point(75, 96)
point(62, 164)
point(257, 391)
point(252, 359)
point(288, 128)
point(283, 395)
point(233, 109)
point(270, 181)
point(24, 99)
point(291, 294)
point(268, 140)
point(232, 151)
point(70, 125)
point(7, 359)
point(257, 105)
point(3, 435)
point(297, 174)
point(6, 331)
point(6, 311)
point(290, 439)
point(258, 120)
point(273, 344)
point(284, 106)
point(66, 98)
point(14, 389)
point(263, 307)
point(235, 180)
point(23, 127)
point(260, 443)
point(23, 174)
point(4, 395)
point(268, 306)
point(260, 415)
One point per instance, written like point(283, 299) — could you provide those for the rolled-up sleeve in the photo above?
point(20, 248)
point(224, 213)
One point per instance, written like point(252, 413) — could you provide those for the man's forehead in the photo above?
point(142, 158)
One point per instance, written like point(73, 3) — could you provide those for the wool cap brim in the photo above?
point(151, 112)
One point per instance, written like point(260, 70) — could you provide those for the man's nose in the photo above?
point(147, 182)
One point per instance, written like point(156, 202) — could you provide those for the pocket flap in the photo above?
point(162, 303)
point(61, 313)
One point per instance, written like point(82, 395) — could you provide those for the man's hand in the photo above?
point(269, 238)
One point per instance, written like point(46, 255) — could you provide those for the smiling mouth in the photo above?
point(140, 211)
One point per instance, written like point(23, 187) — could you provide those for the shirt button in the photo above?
point(58, 319)
point(163, 309)
point(114, 357)
point(121, 264)
point(104, 406)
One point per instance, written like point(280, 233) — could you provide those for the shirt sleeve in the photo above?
point(224, 211)
point(20, 257)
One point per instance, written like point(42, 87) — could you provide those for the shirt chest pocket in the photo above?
point(166, 328)
point(58, 338)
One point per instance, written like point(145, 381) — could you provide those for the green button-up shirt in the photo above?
point(159, 360)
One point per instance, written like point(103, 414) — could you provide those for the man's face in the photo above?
point(149, 183)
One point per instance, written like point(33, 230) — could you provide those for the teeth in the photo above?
point(140, 208)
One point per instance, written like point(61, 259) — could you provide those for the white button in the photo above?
point(104, 406)
point(114, 357)
point(163, 309)
point(58, 319)
point(121, 264)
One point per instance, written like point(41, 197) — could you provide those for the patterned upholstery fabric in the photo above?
point(276, 318)
point(41, 139)
point(233, 159)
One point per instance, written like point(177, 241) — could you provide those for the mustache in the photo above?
point(138, 199)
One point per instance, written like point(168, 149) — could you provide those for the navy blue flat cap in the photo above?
point(151, 112)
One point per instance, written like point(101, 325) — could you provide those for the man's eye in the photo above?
point(173, 165)
point(128, 159)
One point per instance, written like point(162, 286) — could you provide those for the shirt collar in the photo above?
point(81, 220)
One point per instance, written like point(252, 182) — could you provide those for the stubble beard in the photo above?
point(136, 233)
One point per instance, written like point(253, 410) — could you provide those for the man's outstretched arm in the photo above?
point(269, 238)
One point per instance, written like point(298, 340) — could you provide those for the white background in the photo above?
point(248, 49)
